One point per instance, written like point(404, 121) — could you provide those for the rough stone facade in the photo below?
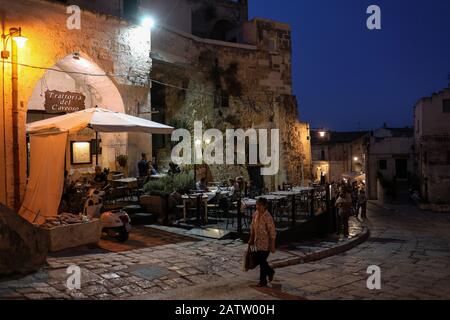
point(432, 146)
point(114, 45)
point(230, 86)
point(23, 247)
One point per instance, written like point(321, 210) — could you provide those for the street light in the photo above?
point(148, 22)
point(18, 42)
point(322, 134)
point(16, 35)
point(356, 159)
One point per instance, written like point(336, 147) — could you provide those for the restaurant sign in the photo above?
point(58, 102)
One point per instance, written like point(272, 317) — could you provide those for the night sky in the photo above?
point(347, 77)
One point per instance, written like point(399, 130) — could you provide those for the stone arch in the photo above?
point(81, 75)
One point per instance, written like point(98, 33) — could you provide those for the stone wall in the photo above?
point(432, 143)
point(231, 86)
point(435, 169)
point(116, 46)
point(23, 247)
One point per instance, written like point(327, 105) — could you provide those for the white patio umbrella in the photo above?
point(100, 120)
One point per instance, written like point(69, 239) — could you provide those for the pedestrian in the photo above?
point(344, 204)
point(263, 236)
point(354, 195)
point(334, 192)
point(362, 203)
point(143, 166)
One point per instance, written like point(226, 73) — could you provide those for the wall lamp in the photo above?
point(16, 35)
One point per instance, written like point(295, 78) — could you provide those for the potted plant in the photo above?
point(156, 198)
point(161, 196)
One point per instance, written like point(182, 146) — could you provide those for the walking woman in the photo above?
point(262, 236)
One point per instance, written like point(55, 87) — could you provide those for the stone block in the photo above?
point(23, 246)
point(71, 236)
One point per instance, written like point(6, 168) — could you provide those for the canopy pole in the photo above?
point(96, 148)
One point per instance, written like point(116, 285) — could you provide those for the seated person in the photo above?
point(231, 186)
point(201, 185)
point(100, 178)
point(143, 166)
point(152, 171)
point(174, 169)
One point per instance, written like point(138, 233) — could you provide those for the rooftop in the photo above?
point(333, 137)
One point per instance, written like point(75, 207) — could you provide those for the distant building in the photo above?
point(390, 159)
point(337, 155)
point(432, 146)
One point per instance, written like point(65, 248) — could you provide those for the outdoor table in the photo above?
point(272, 199)
point(291, 194)
point(200, 197)
point(157, 176)
point(129, 184)
point(249, 202)
point(302, 189)
point(126, 180)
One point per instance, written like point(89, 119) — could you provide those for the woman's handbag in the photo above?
point(250, 259)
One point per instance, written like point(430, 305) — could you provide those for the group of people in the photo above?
point(348, 199)
point(232, 185)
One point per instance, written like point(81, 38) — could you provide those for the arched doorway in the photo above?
point(79, 74)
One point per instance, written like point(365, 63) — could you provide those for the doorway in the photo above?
point(401, 168)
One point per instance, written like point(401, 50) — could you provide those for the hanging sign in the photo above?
point(58, 102)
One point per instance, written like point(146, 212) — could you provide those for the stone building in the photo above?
point(337, 155)
point(432, 146)
point(203, 61)
point(390, 158)
point(106, 45)
point(230, 73)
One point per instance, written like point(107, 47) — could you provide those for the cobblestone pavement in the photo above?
point(411, 248)
point(150, 272)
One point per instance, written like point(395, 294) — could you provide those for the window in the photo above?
point(401, 168)
point(322, 155)
point(382, 164)
point(446, 106)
